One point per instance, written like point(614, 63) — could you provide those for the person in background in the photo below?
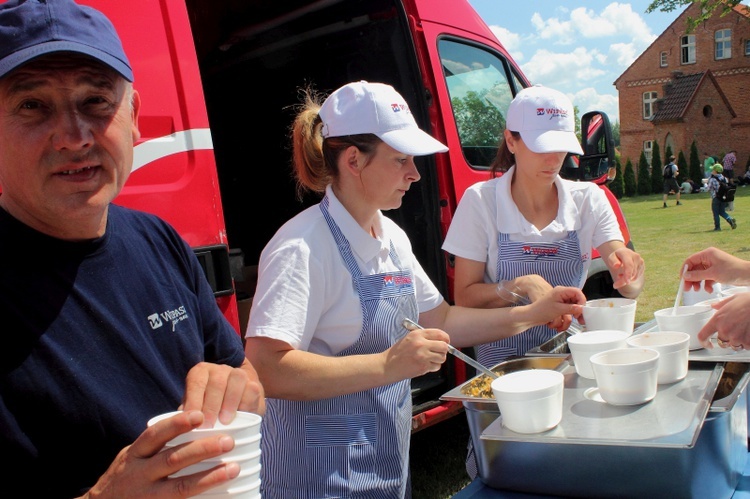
point(708, 164)
point(745, 179)
point(335, 284)
point(718, 207)
point(85, 364)
point(670, 182)
point(711, 266)
point(529, 228)
point(689, 187)
point(728, 162)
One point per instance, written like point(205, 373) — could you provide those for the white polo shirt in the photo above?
point(305, 296)
point(487, 209)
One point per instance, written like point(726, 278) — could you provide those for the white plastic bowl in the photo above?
point(689, 319)
point(243, 426)
point(626, 376)
point(733, 290)
point(251, 491)
point(673, 352)
point(246, 461)
point(530, 401)
point(583, 345)
point(610, 313)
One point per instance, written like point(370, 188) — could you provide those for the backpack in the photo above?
point(726, 191)
point(668, 171)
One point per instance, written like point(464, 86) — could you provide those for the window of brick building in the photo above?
point(687, 49)
point(649, 98)
point(648, 147)
point(723, 44)
point(747, 47)
point(663, 60)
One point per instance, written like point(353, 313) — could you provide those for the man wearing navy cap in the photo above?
point(84, 364)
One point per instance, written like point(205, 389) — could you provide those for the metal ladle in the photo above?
point(411, 326)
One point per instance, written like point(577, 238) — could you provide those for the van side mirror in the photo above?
point(598, 146)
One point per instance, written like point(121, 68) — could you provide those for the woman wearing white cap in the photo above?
point(335, 284)
point(532, 228)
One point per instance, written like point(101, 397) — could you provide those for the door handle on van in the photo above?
point(215, 263)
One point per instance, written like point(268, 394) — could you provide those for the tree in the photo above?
point(695, 168)
point(616, 133)
point(617, 186)
point(629, 180)
point(708, 7)
point(657, 178)
point(478, 123)
point(644, 176)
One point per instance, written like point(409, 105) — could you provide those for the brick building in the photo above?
point(690, 86)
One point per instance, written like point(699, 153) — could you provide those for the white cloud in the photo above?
point(555, 68)
point(589, 99)
point(560, 32)
point(621, 55)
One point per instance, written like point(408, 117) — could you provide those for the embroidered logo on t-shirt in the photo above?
point(173, 316)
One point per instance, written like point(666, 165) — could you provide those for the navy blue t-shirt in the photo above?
point(97, 337)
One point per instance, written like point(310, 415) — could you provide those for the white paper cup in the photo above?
point(626, 376)
point(673, 352)
point(583, 345)
point(530, 401)
point(689, 319)
point(610, 313)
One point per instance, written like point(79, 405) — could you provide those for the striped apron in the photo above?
point(357, 445)
point(558, 262)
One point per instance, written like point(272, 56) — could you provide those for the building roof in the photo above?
point(679, 94)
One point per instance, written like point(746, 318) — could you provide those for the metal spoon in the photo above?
point(411, 326)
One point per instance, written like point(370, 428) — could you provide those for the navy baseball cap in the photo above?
point(32, 28)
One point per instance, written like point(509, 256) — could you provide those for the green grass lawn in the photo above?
point(664, 237)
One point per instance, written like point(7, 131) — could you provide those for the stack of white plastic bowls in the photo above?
point(245, 430)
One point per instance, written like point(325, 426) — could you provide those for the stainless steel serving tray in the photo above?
point(672, 419)
point(711, 468)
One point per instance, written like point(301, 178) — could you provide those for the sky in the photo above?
point(575, 46)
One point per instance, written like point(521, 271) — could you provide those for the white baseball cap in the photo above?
point(376, 108)
point(544, 117)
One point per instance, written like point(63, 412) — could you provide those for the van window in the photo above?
point(481, 85)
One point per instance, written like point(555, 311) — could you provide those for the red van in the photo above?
point(219, 79)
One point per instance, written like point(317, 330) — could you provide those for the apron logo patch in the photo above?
point(390, 281)
point(539, 251)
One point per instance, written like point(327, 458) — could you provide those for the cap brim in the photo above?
point(23, 56)
point(544, 141)
point(412, 141)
